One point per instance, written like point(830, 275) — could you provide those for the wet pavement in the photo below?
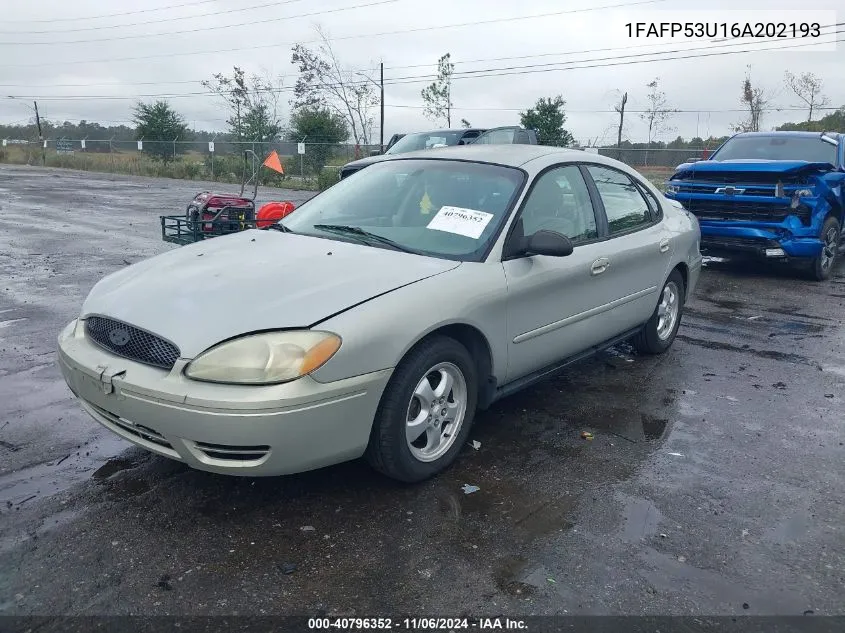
point(713, 484)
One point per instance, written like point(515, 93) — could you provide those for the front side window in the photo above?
point(443, 208)
point(560, 202)
point(624, 205)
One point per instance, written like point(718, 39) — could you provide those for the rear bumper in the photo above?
point(229, 429)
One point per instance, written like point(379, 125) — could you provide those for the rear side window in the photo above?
point(656, 211)
point(624, 204)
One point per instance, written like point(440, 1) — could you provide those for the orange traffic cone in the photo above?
point(272, 161)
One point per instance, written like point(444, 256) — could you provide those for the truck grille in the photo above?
point(131, 342)
point(735, 210)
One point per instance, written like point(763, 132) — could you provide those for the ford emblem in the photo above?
point(119, 336)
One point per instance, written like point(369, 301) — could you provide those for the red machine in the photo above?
point(212, 214)
point(273, 212)
point(221, 213)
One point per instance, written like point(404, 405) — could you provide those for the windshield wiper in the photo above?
point(359, 232)
point(278, 226)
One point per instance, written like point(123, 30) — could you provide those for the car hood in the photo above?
point(749, 166)
point(199, 295)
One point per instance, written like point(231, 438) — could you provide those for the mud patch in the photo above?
point(768, 354)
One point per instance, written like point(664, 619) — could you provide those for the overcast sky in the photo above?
point(62, 60)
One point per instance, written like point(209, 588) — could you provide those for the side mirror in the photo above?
point(694, 160)
point(375, 152)
point(549, 243)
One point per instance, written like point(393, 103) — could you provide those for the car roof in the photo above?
point(509, 155)
point(793, 133)
point(449, 131)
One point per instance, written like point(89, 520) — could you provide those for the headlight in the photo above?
point(265, 359)
point(672, 188)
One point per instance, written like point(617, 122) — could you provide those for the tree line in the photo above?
point(332, 104)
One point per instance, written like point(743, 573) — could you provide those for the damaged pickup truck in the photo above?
point(775, 195)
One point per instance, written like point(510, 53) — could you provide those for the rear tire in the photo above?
point(659, 332)
point(822, 266)
point(413, 404)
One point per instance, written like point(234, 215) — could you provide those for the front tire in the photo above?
point(659, 332)
point(426, 411)
point(822, 266)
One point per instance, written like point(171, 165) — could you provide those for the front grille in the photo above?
point(131, 342)
point(736, 210)
point(233, 453)
point(760, 178)
point(738, 243)
point(710, 188)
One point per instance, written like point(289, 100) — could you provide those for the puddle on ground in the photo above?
point(641, 519)
point(114, 465)
point(761, 353)
point(509, 576)
point(632, 426)
point(45, 480)
point(653, 428)
point(527, 516)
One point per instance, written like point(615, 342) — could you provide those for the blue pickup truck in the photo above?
point(775, 195)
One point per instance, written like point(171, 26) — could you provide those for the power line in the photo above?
point(112, 15)
point(204, 29)
point(529, 70)
point(158, 21)
point(457, 63)
point(627, 110)
point(334, 39)
point(620, 60)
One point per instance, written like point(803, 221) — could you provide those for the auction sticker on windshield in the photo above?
point(466, 222)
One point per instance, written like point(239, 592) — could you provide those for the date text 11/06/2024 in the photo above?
point(724, 29)
point(417, 624)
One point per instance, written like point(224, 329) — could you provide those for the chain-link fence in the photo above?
point(306, 165)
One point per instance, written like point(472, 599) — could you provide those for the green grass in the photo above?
point(190, 166)
point(196, 166)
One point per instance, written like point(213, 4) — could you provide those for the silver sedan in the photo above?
point(383, 313)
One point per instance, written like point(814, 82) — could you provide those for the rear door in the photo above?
point(637, 250)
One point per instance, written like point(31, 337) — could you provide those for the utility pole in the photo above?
point(381, 87)
point(40, 136)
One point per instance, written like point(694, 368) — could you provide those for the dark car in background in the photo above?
point(507, 135)
point(775, 195)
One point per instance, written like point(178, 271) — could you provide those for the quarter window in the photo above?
point(560, 201)
point(624, 205)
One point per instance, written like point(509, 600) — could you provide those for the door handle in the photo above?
point(664, 245)
point(599, 266)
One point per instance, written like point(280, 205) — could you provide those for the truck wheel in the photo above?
point(659, 332)
point(822, 266)
point(426, 411)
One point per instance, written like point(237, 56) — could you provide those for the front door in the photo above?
point(553, 301)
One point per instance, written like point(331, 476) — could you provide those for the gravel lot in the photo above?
point(714, 484)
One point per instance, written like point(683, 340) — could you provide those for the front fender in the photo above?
point(378, 333)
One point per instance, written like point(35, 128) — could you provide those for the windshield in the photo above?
point(810, 149)
point(443, 208)
point(424, 140)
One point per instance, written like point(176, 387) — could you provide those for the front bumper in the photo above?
point(756, 238)
point(229, 429)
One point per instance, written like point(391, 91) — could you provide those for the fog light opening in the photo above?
point(775, 252)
